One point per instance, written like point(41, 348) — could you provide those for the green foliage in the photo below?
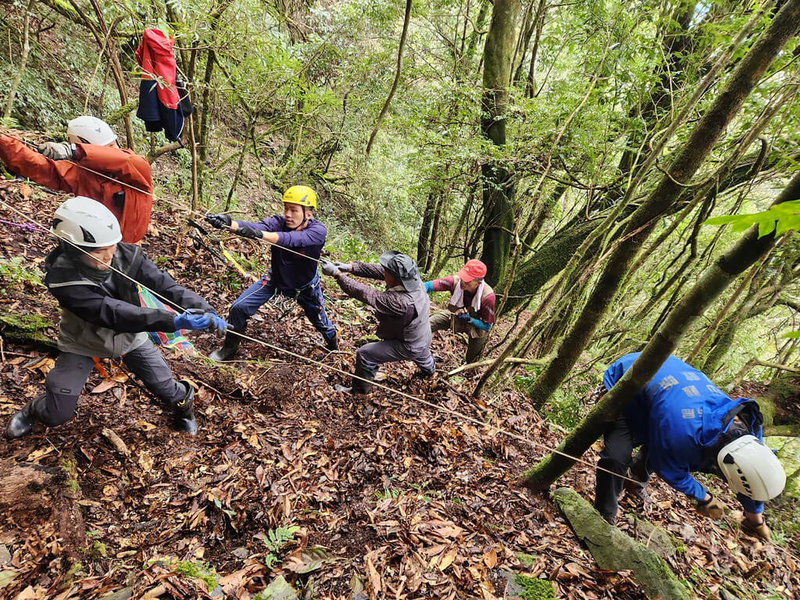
point(16, 271)
point(198, 570)
point(535, 588)
point(275, 540)
point(778, 219)
point(388, 494)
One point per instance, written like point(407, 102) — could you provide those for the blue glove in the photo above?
point(429, 286)
point(474, 322)
point(480, 324)
point(217, 324)
point(193, 319)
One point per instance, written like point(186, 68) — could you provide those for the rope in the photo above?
point(23, 226)
point(334, 369)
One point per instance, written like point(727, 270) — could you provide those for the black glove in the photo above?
point(219, 221)
point(56, 150)
point(249, 232)
point(329, 268)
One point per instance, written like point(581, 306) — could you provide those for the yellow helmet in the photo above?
point(302, 195)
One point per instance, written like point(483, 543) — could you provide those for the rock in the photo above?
point(789, 454)
point(5, 555)
point(241, 552)
point(726, 595)
point(217, 592)
point(123, 594)
point(688, 533)
point(527, 588)
point(657, 539)
point(613, 550)
point(279, 589)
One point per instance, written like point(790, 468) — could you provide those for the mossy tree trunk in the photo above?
point(685, 164)
point(747, 251)
point(497, 180)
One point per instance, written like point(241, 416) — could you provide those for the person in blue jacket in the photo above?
point(296, 235)
point(684, 423)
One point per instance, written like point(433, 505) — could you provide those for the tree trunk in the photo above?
point(530, 80)
point(23, 59)
point(498, 182)
point(424, 238)
point(397, 72)
point(725, 106)
point(747, 251)
point(104, 39)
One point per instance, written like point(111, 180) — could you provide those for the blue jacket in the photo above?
point(679, 416)
point(289, 271)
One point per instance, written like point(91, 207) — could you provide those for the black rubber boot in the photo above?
point(229, 348)
point(23, 421)
point(359, 385)
point(184, 412)
point(332, 343)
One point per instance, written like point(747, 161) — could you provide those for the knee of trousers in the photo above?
point(169, 390)
point(614, 464)
point(363, 362)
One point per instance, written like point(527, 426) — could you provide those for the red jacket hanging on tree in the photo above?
point(132, 207)
point(155, 57)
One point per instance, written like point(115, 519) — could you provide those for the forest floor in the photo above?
point(391, 498)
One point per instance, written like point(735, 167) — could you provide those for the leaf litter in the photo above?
point(391, 499)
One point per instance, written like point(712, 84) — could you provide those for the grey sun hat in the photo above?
point(402, 267)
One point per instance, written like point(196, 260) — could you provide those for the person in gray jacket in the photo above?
point(101, 316)
point(403, 312)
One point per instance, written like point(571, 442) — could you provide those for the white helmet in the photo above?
point(751, 468)
point(90, 130)
point(86, 222)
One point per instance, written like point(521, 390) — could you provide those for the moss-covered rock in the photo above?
point(655, 538)
point(788, 449)
point(18, 328)
point(533, 588)
point(613, 550)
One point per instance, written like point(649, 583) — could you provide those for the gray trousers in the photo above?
point(66, 380)
point(369, 356)
point(444, 321)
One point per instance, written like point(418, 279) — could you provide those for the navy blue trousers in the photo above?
point(309, 297)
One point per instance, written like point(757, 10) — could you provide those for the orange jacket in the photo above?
point(131, 207)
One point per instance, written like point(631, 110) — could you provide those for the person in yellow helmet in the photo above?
point(291, 273)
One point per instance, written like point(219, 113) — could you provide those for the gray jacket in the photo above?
point(401, 315)
point(104, 319)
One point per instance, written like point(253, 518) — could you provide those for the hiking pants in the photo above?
point(66, 380)
point(309, 297)
point(617, 454)
point(369, 356)
point(443, 321)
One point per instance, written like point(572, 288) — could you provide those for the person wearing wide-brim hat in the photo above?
point(471, 307)
point(402, 309)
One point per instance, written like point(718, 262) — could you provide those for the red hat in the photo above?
point(474, 269)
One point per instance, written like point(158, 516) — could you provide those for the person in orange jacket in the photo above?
point(91, 164)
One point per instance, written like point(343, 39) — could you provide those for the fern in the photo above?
point(275, 540)
point(279, 537)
